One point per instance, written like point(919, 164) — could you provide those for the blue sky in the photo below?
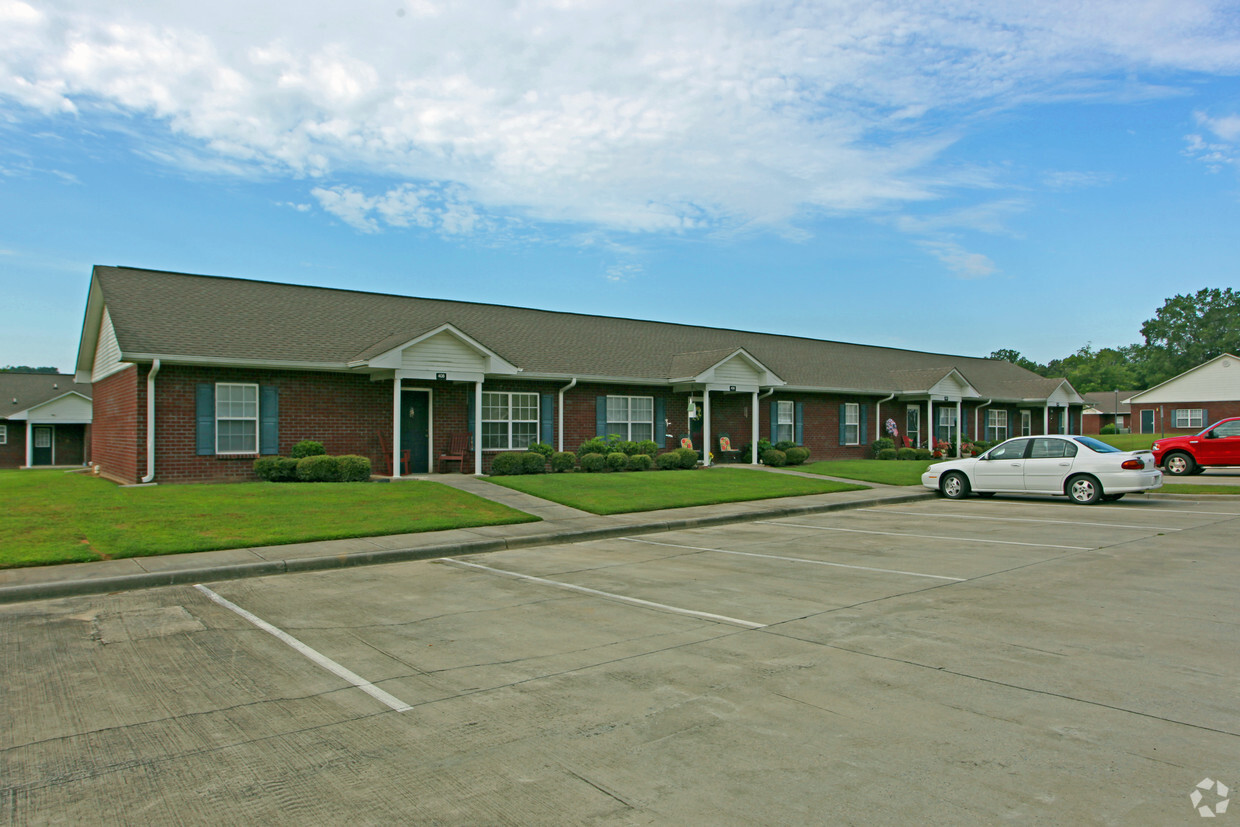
point(952, 176)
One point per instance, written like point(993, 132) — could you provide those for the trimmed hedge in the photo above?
point(542, 448)
point(593, 463)
point(308, 448)
point(906, 453)
point(562, 461)
point(774, 458)
point(887, 453)
point(318, 468)
point(353, 468)
point(668, 462)
point(797, 455)
point(313, 468)
point(640, 462)
point(533, 462)
point(507, 464)
point(688, 457)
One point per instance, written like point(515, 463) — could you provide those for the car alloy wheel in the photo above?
point(1178, 464)
point(1084, 490)
point(955, 486)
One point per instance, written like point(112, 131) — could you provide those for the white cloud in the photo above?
point(964, 264)
point(646, 115)
point(1220, 148)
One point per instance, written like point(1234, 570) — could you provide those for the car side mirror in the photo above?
point(1211, 435)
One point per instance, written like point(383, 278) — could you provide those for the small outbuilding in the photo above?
point(45, 420)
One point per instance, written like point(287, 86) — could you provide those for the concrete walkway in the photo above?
point(559, 524)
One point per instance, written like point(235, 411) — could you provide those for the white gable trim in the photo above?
point(735, 369)
point(490, 361)
point(63, 409)
point(955, 386)
point(1217, 380)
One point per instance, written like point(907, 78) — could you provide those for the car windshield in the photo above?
point(1097, 445)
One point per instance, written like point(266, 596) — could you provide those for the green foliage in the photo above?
point(924, 453)
point(542, 448)
point(27, 369)
point(640, 462)
point(1108, 428)
point(353, 468)
point(267, 468)
point(532, 462)
point(881, 444)
point(906, 453)
point(509, 463)
point(562, 461)
point(593, 463)
point(648, 447)
point(796, 455)
point(1013, 356)
point(688, 457)
point(784, 445)
point(318, 468)
point(1190, 329)
point(887, 453)
point(617, 461)
point(308, 448)
point(596, 445)
point(668, 462)
point(774, 458)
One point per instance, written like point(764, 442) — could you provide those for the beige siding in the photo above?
point(738, 371)
point(1217, 381)
point(66, 409)
point(107, 351)
point(443, 351)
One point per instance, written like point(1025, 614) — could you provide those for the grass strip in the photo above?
point(1191, 488)
point(885, 472)
point(622, 493)
point(54, 517)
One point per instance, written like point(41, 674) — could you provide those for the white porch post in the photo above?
point(959, 423)
point(29, 443)
point(477, 429)
point(396, 427)
point(706, 426)
point(753, 440)
point(930, 423)
point(1046, 418)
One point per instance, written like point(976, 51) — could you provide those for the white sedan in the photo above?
point(1081, 468)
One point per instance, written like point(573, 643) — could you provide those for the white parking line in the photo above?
point(322, 660)
point(1018, 519)
point(923, 536)
point(796, 560)
point(609, 595)
point(1211, 513)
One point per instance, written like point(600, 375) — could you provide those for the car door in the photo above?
point(1049, 464)
point(1002, 467)
point(1220, 446)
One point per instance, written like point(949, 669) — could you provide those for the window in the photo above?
point(912, 424)
point(43, 437)
point(852, 423)
point(1026, 423)
point(785, 426)
point(632, 417)
point(4, 434)
point(947, 425)
point(1052, 449)
point(1010, 450)
point(996, 425)
point(1189, 418)
point(236, 419)
point(1226, 429)
point(509, 421)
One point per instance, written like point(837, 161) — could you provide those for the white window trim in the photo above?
point(914, 435)
point(509, 421)
point(627, 425)
point(1190, 414)
point(949, 424)
point(790, 423)
point(219, 419)
point(4, 433)
point(1026, 422)
point(852, 419)
point(993, 426)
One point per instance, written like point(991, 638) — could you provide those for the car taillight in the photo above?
point(1132, 465)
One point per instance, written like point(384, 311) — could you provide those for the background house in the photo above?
point(45, 420)
point(195, 376)
point(1189, 402)
point(1104, 408)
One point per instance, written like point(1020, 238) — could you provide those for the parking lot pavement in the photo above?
point(930, 662)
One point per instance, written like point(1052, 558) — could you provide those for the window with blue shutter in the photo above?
point(660, 422)
point(546, 425)
point(269, 419)
point(600, 416)
point(204, 417)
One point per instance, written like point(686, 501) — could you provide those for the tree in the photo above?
point(27, 369)
point(1190, 329)
point(1013, 356)
point(1088, 370)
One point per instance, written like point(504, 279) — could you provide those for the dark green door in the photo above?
point(42, 453)
point(415, 430)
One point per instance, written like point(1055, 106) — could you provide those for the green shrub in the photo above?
point(1108, 428)
point(542, 448)
point(593, 463)
point(318, 468)
point(597, 445)
point(353, 468)
point(267, 468)
point(688, 457)
point(308, 448)
point(668, 462)
point(508, 464)
point(784, 445)
point(648, 447)
point(924, 453)
point(617, 461)
point(774, 457)
point(887, 453)
point(881, 444)
point(797, 455)
point(906, 453)
point(533, 462)
point(562, 461)
point(626, 447)
point(640, 462)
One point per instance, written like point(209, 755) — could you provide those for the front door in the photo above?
point(912, 424)
point(43, 453)
point(415, 430)
point(1147, 421)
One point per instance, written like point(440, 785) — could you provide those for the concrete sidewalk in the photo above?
point(560, 524)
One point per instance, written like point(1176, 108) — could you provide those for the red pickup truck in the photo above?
point(1217, 445)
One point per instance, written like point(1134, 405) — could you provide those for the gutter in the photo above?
point(150, 422)
point(878, 414)
point(977, 412)
point(559, 427)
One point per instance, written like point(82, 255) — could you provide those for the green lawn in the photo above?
point(1129, 442)
point(54, 517)
point(887, 472)
point(621, 493)
point(1193, 488)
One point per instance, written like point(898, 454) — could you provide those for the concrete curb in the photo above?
point(235, 571)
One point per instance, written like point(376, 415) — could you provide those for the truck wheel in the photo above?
point(1178, 463)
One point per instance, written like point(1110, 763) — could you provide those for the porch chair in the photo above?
point(726, 450)
point(385, 450)
point(686, 442)
point(458, 444)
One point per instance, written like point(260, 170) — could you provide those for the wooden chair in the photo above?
point(458, 444)
point(726, 450)
point(385, 449)
point(686, 442)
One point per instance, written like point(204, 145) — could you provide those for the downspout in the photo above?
point(878, 415)
point(977, 412)
point(559, 427)
point(150, 423)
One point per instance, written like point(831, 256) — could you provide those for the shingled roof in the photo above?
point(188, 318)
point(20, 392)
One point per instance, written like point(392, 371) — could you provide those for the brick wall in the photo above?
point(13, 452)
point(1164, 420)
point(116, 431)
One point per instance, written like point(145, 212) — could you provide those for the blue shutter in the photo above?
point(469, 416)
point(600, 416)
point(774, 422)
point(546, 428)
point(660, 422)
point(798, 424)
point(269, 419)
point(204, 406)
point(862, 429)
point(843, 424)
point(1205, 418)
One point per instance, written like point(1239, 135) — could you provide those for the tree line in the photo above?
point(1186, 331)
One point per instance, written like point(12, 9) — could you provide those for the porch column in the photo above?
point(477, 429)
point(959, 423)
point(753, 440)
point(29, 443)
point(1046, 419)
point(706, 426)
point(396, 427)
point(930, 422)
